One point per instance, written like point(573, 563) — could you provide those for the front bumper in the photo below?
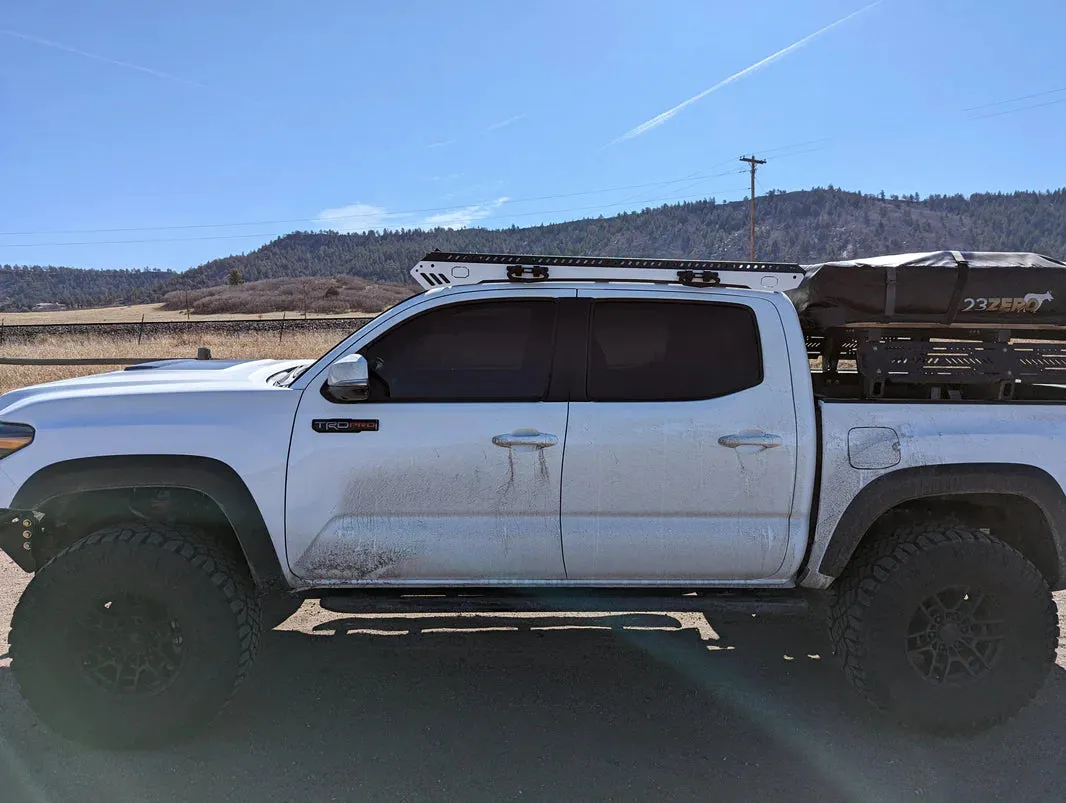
point(18, 528)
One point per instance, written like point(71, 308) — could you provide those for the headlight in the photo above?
point(13, 437)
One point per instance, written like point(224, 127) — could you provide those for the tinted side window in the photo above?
point(483, 351)
point(671, 350)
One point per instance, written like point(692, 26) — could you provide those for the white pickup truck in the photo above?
point(531, 432)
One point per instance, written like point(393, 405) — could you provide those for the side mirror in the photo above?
point(349, 378)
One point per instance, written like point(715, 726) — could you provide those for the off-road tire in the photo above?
point(886, 590)
point(208, 600)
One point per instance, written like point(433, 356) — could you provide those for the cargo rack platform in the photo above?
point(951, 362)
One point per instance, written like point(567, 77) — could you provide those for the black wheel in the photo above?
point(944, 628)
point(134, 635)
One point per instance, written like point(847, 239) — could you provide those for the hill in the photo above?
point(22, 286)
point(804, 226)
point(319, 295)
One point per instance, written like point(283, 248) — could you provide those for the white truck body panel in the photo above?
point(649, 492)
point(936, 433)
point(429, 498)
point(230, 414)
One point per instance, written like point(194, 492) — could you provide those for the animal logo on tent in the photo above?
point(1034, 301)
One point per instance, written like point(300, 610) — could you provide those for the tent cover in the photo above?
point(941, 287)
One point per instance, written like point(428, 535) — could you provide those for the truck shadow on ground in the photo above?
point(563, 707)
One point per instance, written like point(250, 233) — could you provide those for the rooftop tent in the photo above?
point(936, 288)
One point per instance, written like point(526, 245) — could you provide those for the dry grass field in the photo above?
point(132, 313)
point(251, 345)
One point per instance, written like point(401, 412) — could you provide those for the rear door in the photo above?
point(680, 459)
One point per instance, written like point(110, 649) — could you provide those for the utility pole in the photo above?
point(751, 160)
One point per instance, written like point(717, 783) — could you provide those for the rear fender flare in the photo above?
point(911, 484)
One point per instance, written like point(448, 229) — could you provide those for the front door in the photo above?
point(681, 461)
point(451, 470)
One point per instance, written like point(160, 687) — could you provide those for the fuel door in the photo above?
point(873, 447)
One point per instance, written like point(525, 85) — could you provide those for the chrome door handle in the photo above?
point(525, 439)
point(759, 439)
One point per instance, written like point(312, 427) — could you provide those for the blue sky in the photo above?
point(168, 124)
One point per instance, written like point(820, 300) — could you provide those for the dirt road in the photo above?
point(567, 707)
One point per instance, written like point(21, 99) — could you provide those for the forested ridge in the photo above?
point(805, 226)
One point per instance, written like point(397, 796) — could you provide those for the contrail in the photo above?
point(57, 46)
point(666, 115)
point(505, 123)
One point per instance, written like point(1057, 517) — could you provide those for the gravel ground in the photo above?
point(562, 707)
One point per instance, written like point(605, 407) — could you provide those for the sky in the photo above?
point(163, 135)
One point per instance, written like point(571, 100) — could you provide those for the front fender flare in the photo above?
point(211, 477)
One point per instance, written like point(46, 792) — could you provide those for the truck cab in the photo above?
point(560, 434)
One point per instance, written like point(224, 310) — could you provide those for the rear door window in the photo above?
point(671, 350)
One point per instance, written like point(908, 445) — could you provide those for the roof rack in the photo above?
point(440, 269)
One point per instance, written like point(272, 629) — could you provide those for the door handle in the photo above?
point(525, 439)
point(759, 439)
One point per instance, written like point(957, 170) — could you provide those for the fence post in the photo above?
point(140, 330)
point(281, 329)
point(1, 331)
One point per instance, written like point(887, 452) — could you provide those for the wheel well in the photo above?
point(201, 491)
point(74, 515)
point(1015, 520)
point(1022, 505)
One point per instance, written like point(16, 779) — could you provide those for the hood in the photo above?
point(165, 376)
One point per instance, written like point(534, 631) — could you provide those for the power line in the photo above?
point(794, 145)
point(819, 143)
point(402, 212)
point(1015, 100)
point(697, 197)
point(800, 153)
point(641, 197)
point(268, 235)
point(1020, 109)
point(396, 213)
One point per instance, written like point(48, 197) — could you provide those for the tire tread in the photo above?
point(877, 562)
point(230, 578)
